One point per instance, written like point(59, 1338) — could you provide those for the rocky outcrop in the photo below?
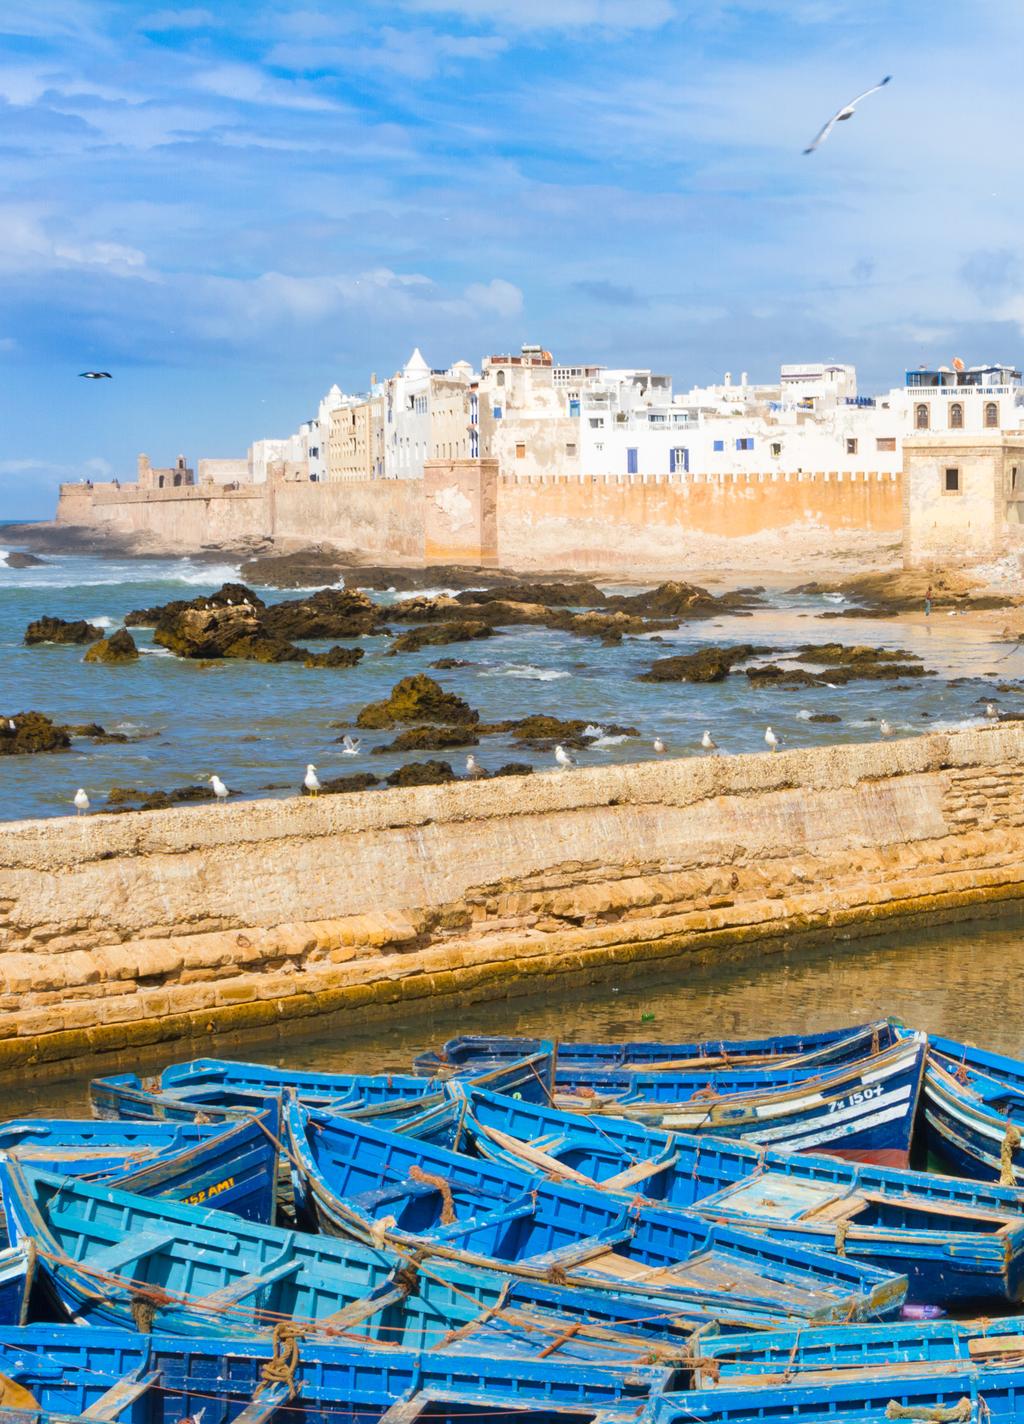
point(17, 560)
point(222, 632)
point(307, 568)
point(421, 773)
point(711, 664)
point(438, 635)
point(230, 595)
point(542, 732)
point(32, 732)
point(577, 594)
point(118, 648)
point(687, 600)
point(131, 798)
point(58, 630)
point(342, 785)
point(417, 699)
point(432, 739)
point(334, 658)
point(331, 613)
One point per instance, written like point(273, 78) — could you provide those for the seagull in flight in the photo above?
point(350, 745)
point(846, 112)
point(96, 375)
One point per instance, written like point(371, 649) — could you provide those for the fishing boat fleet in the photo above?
point(818, 1228)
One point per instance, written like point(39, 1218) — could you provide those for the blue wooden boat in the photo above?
point(220, 1088)
point(974, 1111)
point(231, 1165)
point(830, 1046)
point(16, 1274)
point(105, 1376)
point(114, 1258)
point(377, 1185)
point(956, 1242)
point(863, 1110)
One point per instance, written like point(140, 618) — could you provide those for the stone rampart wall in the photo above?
point(117, 931)
point(379, 518)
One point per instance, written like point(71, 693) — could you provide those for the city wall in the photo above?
point(379, 518)
point(123, 931)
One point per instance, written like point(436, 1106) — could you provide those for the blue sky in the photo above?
point(232, 205)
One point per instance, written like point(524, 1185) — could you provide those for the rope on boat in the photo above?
point(1011, 1141)
point(281, 1367)
point(956, 1413)
point(440, 1184)
point(143, 1313)
point(874, 1041)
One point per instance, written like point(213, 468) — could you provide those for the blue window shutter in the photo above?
point(672, 462)
point(631, 461)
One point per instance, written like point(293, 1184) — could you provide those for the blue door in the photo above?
point(631, 462)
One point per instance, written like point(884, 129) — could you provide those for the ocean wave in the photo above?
point(834, 597)
point(100, 621)
point(157, 652)
point(803, 715)
point(191, 573)
point(606, 741)
point(526, 672)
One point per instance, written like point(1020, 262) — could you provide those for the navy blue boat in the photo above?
point(221, 1088)
point(957, 1242)
point(381, 1186)
point(863, 1110)
point(231, 1165)
point(105, 1376)
point(15, 1284)
point(114, 1258)
point(830, 1046)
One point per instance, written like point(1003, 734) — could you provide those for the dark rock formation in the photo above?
point(32, 732)
point(421, 773)
point(118, 648)
point(513, 768)
point(445, 664)
point(16, 560)
point(130, 798)
point(230, 595)
point(58, 630)
point(824, 717)
point(711, 664)
point(417, 699)
point(223, 632)
point(439, 634)
point(309, 568)
point(839, 665)
point(684, 601)
point(331, 613)
point(339, 785)
point(579, 594)
point(541, 732)
point(334, 658)
point(431, 739)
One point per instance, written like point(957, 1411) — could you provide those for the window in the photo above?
point(598, 444)
point(314, 451)
point(1013, 478)
point(991, 415)
point(596, 422)
point(885, 442)
point(570, 448)
point(678, 459)
point(951, 481)
point(921, 421)
point(745, 443)
point(776, 448)
point(496, 412)
point(719, 445)
point(632, 461)
point(851, 446)
point(656, 419)
point(956, 416)
point(161, 481)
point(499, 379)
point(574, 407)
point(177, 478)
point(520, 452)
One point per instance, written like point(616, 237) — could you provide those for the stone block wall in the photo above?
point(117, 931)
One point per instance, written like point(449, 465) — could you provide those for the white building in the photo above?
point(958, 398)
point(428, 415)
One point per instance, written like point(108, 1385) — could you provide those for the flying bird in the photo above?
point(564, 759)
point(708, 742)
point(659, 746)
point(311, 781)
point(846, 112)
point(219, 789)
point(96, 375)
point(350, 745)
point(81, 801)
point(771, 740)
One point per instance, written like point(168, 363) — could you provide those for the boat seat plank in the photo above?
point(109, 1259)
point(121, 1396)
point(260, 1409)
point(512, 1212)
point(248, 1285)
point(639, 1172)
point(995, 1345)
point(359, 1310)
point(588, 1248)
point(405, 1411)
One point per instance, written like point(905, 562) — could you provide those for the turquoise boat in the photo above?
point(380, 1186)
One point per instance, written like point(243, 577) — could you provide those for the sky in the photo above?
point(231, 206)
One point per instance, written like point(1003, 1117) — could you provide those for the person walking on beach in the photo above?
point(928, 601)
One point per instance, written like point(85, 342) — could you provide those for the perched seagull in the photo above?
point(96, 375)
point(771, 739)
point(564, 759)
point(219, 789)
point(659, 746)
point(81, 801)
point(992, 711)
point(473, 766)
point(350, 745)
point(885, 728)
point(311, 781)
point(846, 112)
point(708, 742)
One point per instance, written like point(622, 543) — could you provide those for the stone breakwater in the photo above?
point(119, 931)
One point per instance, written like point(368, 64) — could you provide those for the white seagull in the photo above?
point(846, 112)
point(81, 801)
point(219, 789)
point(885, 728)
point(771, 739)
point(473, 766)
point(708, 742)
point(564, 759)
point(350, 745)
point(311, 781)
point(659, 746)
point(992, 711)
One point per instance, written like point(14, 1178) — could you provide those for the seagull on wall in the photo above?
point(564, 759)
point(81, 801)
point(846, 112)
point(95, 375)
point(771, 740)
point(311, 781)
point(219, 789)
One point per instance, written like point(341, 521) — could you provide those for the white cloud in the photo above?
point(555, 14)
point(248, 84)
point(498, 296)
point(30, 246)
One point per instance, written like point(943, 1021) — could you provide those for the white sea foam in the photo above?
point(834, 597)
point(804, 715)
point(191, 573)
point(101, 621)
point(609, 741)
point(526, 672)
point(157, 652)
point(593, 730)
